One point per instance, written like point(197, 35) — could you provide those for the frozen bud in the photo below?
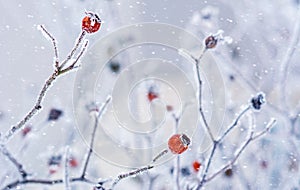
point(26, 130)
point(55, 160)
point(258, 100)
point(185, 171)
point(210, 42)
point(114, 66)
point(228, 173)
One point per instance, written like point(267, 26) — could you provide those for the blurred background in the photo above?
point(263, 56)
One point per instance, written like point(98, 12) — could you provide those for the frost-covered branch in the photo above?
point(66, 171)
point(13, 160)
point(251, 137)
point(54, 42)
point(59, 70)
point(66, 180)
point(97, 117)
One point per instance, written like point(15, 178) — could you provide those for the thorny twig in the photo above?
point(59, 70)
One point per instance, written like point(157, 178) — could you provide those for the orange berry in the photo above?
point(178, 143)
point(73, 162)
point(152, 96)
point(91, 22)
point(196, 166)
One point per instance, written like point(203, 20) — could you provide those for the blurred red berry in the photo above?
point(169, 108)
point(152, 95)
point(26, 130)
point(53, 169)
point(264, 164)
point(178, 143)
point(196, 166)
point(73, 162)
point(91, 22)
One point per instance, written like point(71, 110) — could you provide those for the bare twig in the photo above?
point(251, 138)
point(159, 155)
point(54, 42)
point(197, 61)
point(19, 166)
point(131, 173)
point(71, 54)
point(66, 179)
point(234, 123)
point(66, 176)
point(218, 141)
point(44, 182)
point(72, 66)
point(176, 171)
point(58, 71)
point(97, 117)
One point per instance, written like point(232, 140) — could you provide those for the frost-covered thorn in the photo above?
point(258, 101)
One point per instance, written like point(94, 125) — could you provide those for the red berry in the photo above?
point(26, 130)
point(91, 22)
point(152, 95)
point(196, 166)
point(73, 162)
point(178, 143)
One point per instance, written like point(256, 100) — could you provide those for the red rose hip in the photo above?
point(178, 143)
point(91, 22)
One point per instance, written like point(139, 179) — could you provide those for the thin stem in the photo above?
point(72, 66)
point(176, 171)
point(34, 110)
point(200, 94)
point(66, 176)
point(234, 123)
point(44, 182)
point(59, 70)
point(54, 42)
point(19, 166)
point(208, 163)
point(251, 138)
point(97, 117)
point(71, 54)
point(131, 173)
point(159, 155)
